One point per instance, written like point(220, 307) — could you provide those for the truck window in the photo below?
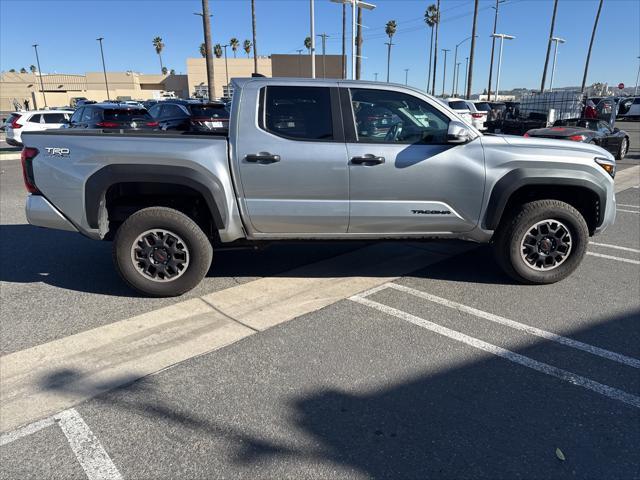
point(384, 116)
point(299, 113)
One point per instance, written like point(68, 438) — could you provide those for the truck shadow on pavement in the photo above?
point(487, 418)
point(68, 260)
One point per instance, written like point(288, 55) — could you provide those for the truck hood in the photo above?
point(548, 144)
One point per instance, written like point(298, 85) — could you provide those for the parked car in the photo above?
point(149, 103)
point(460, 107)
point(112, 116)
point(629, 109)
point(33, 121)
point(191, 116)
point(586, 130)
point(478, 117)
point(168, 202)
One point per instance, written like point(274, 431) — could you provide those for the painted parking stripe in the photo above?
point(93, 458)
point(626, 211)
point(565, 375)
point(615, 247)
point(25, 431)
point(611, 257)
point(569, 342)
point(627, 205)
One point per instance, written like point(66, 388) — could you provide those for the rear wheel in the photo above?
point(624, 147)
point(161, 252)
point(542, 242)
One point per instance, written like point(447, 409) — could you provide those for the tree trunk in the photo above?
point(359, 44)
point(473, 47)
point(593, 36)
point(546, 60)
point(388, 57)
point(253, 27)
point(344, 26)
point(435, 52)
point(430, 56)
point(160, 57)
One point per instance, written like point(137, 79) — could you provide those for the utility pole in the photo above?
point(324, 37)
point(359, 44)
point(406, 76)
point(375, 79)
point(206, 26)
point(388, 44)
point(444, 72)
point(593, 35)
point(104, 69)
point(493, 46)
point(299, 62)
point(457, 77)
point(253, 29)
point(344, 51)
point(354, 4)
point(635, 92)
point(313, 39)
point(546, 60)
point(556, 40)
point(226, 71)
point(466, 72)
point(35, 47)
point(473, 48)
point(435, 51)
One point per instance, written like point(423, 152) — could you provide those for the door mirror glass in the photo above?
point(458, 133)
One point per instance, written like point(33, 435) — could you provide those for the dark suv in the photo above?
point(112, 116)
point(191, 116)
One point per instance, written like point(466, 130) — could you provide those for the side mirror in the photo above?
point(458, 133)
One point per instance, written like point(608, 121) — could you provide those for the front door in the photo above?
point(292, 161)
point(403, 175)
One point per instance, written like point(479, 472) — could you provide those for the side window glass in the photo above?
point(77, 115)
point(34, 119)
point(86, 115)
point(53, 117)
point(384, 116)
point(299, 113)
point(154, 111)
point(173, 111)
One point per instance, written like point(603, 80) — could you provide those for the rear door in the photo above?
point(409, 180)
point(292, 160)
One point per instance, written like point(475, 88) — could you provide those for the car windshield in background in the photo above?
point(126, 115)
point(458, 105)
point(210, 111)
point(581, 123)
point(483, 107)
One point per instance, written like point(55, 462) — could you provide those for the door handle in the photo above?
point(367, 159)
point(262, 158)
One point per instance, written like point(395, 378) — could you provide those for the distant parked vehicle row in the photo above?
point(112, 116)
point(33, 121)
point(191, 116)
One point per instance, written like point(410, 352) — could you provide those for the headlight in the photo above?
point(609, 166)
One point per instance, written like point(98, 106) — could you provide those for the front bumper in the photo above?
point(42, 214)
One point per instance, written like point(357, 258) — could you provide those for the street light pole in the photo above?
point(299, 65)
point(313, 39)
point(455, 59)
point(406, 76)
point(466, 73)
point(635, 92)
point(557, 40)
point(501, 36)
point(206, 27)
point(324, 65)
point(375, 75)
point(35, 47)
point(354, 4)
point(226, 69)
point(104, 69)
point(457, 78)
point(493, 47)
point(444, 72)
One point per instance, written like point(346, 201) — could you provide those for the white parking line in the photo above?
point(615, 247)
point(93, 458)
point(626, 211)
point(611, 257)
point(601, 352)
point(627, 205)
point(514, 357)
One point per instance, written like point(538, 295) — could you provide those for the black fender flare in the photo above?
point(506, 186)
point(100, 181)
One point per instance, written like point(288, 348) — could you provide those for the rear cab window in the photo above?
point(297, 113)
point(209, 111)
point(483, 107)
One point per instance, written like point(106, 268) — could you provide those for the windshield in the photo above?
point(483, 107)
point(458, 105)
point(211, 111)
point(122, 115)
point(578, 122)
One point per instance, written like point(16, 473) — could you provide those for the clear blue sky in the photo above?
point(66, 31)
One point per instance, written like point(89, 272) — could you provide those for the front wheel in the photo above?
point(622, 151)
point(542, 242)
point(161, 252)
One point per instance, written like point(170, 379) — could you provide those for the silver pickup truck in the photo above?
point(319, 160)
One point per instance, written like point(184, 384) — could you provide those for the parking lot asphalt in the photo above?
point(450, 371)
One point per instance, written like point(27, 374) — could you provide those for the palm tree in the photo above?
point(307, 44)
point(234, 43)
point(203, 50)
point(164, 70)
point(172, 71)
point(473, 48)
point(12, 70)
point(32, 68)
point(159, 46)
point(246, 46)
point(344, 56)
point(431, 18)
point(435, 50)
point(593, 36)
point(23, 70)
point(253, 28)
point(217, 50)
point(390, 29)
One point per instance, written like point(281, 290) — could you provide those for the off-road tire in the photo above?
point(507, 241)
point(196, 244)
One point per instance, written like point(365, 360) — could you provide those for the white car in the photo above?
point(461, 108)
point(34, 121)
point(478, 115)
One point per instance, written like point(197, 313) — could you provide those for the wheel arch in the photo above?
point(580, 189)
